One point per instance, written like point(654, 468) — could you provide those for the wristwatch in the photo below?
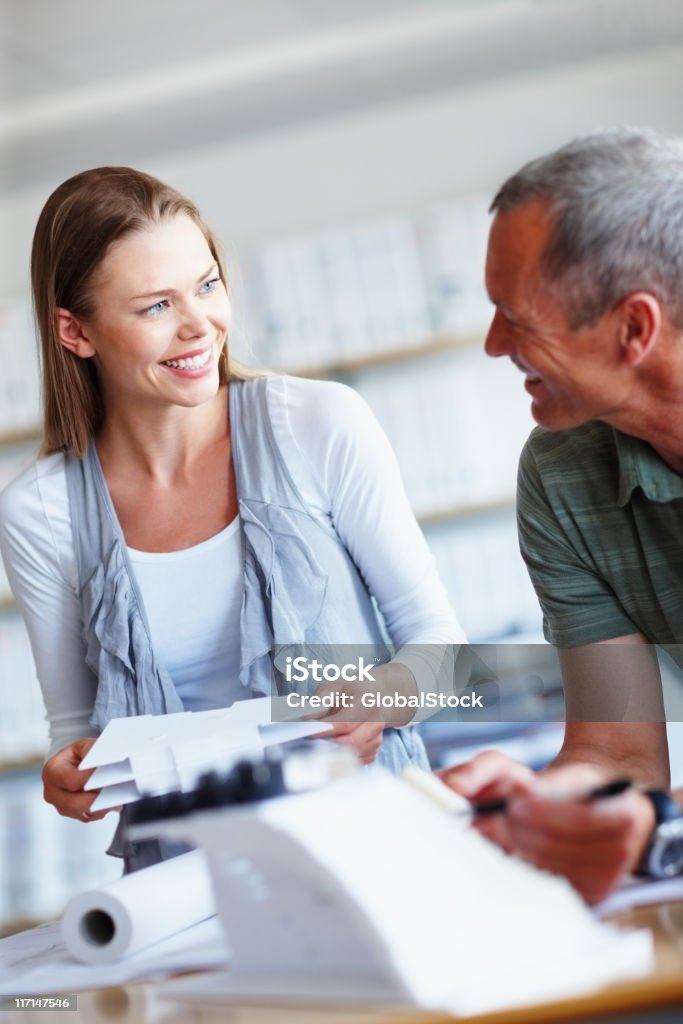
point(663, 856)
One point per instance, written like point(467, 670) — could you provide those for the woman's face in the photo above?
point(161, 316)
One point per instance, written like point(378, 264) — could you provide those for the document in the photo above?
point(360, 890)
point(638, 892)
point(36, 962)
point(398, 897)
point(152, 754)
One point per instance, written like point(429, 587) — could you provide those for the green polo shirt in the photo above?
point(600, 520)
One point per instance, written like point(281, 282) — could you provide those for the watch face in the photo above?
point(666, 858)
point(672, 857)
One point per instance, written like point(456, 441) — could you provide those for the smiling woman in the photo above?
point(148, 355)
point(187, 514)
point(104, 243)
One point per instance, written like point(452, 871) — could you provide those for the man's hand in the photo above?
point(592, 844)
point(547, 823)
point(490, 776)
point(63, 782)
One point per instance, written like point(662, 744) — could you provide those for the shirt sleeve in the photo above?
point(33, 543)
point(342, 462)
point(579, 607)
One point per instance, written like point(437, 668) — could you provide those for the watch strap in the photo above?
point(666, 809)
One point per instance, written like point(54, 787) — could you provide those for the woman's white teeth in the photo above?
point(194, 363)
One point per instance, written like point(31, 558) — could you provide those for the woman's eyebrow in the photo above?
point(171, 291)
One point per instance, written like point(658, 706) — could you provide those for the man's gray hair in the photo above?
point(616, 198)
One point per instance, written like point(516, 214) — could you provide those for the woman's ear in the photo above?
point(70, 334)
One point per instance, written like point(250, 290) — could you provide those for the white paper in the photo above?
point(37, 962)
point(152, 754)
point(226, 987)
point(122, 736)
point(636, 892)
point(133, 913)
point(397, 897)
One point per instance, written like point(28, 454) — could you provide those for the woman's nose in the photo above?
point(193, 321)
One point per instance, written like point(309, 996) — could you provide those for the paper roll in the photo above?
point(104, 925)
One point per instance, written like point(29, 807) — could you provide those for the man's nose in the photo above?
point(498, 341)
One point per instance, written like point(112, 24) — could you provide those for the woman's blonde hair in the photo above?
point(76, 227)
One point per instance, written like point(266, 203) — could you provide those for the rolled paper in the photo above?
point(104, 925)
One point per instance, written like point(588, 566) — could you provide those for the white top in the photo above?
point(340, 461)
point(194, 616)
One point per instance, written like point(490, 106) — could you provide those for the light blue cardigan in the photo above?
point(301, 586)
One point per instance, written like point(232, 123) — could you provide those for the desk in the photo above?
point(656, 999)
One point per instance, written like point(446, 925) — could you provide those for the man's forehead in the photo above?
point(522, 230)
point(517, 241)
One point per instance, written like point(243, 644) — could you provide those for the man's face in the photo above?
point(572, 375)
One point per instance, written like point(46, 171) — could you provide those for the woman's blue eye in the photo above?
point(208, 286)
point(158, 307)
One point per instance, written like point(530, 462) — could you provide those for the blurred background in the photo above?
point(345, 153)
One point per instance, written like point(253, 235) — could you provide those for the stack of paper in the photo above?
point(37, 962)
point(367, 888)
point(152, 754)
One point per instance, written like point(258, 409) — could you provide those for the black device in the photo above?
point(663, 857)
point(248, 781)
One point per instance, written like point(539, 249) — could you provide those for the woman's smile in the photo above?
point(192, 364)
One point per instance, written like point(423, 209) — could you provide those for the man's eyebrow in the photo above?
point(171, 291)
point(506, 311)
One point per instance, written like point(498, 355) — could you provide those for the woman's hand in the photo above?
point(63, 782)
point(364, 738)
point(360, 727)
point(351, 724)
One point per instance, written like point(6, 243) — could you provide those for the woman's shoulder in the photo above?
point(37, 491)
point(327, 399)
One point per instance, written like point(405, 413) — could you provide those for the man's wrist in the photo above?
point(662, 851)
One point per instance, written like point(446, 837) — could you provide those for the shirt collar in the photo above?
point(641, 466)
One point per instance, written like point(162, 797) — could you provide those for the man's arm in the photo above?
point(615, 710)
point(615, 724)
point(593, 844)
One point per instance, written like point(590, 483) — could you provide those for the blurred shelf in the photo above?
point(20, 436)
point(444, 515)
point(20, 924)
point(21, 764)
point(432, 345)
point(428, 347)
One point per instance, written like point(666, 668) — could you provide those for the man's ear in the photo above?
point(70, 334)
point(640, 325)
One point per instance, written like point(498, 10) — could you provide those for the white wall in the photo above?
point(389, 159)
point(402, 157)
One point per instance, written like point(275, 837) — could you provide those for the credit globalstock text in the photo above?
point(338, 696)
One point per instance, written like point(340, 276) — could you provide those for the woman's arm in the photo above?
point(342, 462)
point(35, 541)
point(344, 466)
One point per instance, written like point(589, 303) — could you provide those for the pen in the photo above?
point(488, 807)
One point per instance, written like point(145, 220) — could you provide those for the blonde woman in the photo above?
point(186, 515)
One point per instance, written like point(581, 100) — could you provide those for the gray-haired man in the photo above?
point(585, 269)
